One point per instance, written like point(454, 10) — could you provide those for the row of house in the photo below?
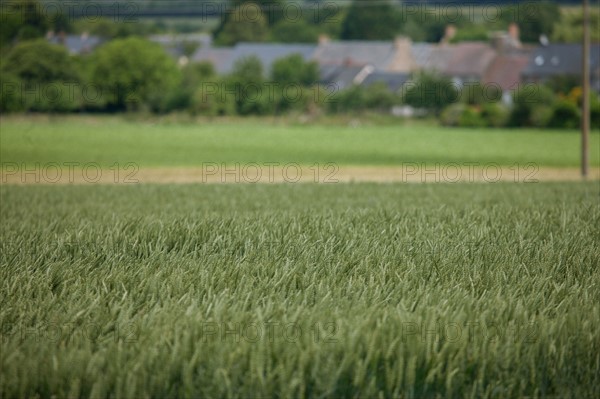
point(503, 61)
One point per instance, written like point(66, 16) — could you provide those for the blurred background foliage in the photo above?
point(130, 73)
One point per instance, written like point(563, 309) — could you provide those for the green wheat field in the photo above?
point(300, 290)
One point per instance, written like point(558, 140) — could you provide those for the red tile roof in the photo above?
point(505, 70)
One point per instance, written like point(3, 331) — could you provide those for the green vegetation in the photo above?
point(133, 73)
point(431, 91)
point(25, 19)
point(155, 143)
point(245, 23)
point(370, 21)
point(300, 290)
point(570, 28)
point(130, 73)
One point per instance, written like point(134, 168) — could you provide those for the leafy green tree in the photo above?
point(248, 70)
point(27, 19)
point(294, 70)
point(534, 19)
point(471, 32)
point(294, 32)
point(37, 61)
point(430, 91)
point(39, 76)
point(134, 73)
point(293, 76)
point(413, 29)
point(22, 20)
point(370, 21)
point(570, 27)
point(434, 29)
point(273, 10)
point(247, 82)
point(246, 23)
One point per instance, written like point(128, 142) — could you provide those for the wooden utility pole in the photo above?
point(585, 78)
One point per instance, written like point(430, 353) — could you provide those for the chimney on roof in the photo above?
point(401, 42)
point(324, 39)
point(449, 34)
point(513, 31)
point(513, 35)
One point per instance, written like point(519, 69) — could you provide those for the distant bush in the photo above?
point(463, 115)
point(212, 100)
point(471, 117)
point(378, 97)
point(450, 116)
point(565, 114)
point(495, 114)
point(478, 94)
point(431, 91)
point(541, 115)
point(349, 99)
point(532, 106)
point(595, 111)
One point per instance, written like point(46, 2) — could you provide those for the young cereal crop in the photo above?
point(347, 290)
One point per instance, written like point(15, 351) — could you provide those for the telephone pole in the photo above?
point(585, 111)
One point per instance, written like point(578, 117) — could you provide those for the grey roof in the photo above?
point(393, 81)
point(225, 58)
point(175, 44)
point(559, 59)
point(343, 76)
point(375, 53)
point(470, 59)
point(220, 58)
point(421, 53)
point(203, 38)
point(77, 44)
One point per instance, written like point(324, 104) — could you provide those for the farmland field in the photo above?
point(341, 290)
point(158, 143)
